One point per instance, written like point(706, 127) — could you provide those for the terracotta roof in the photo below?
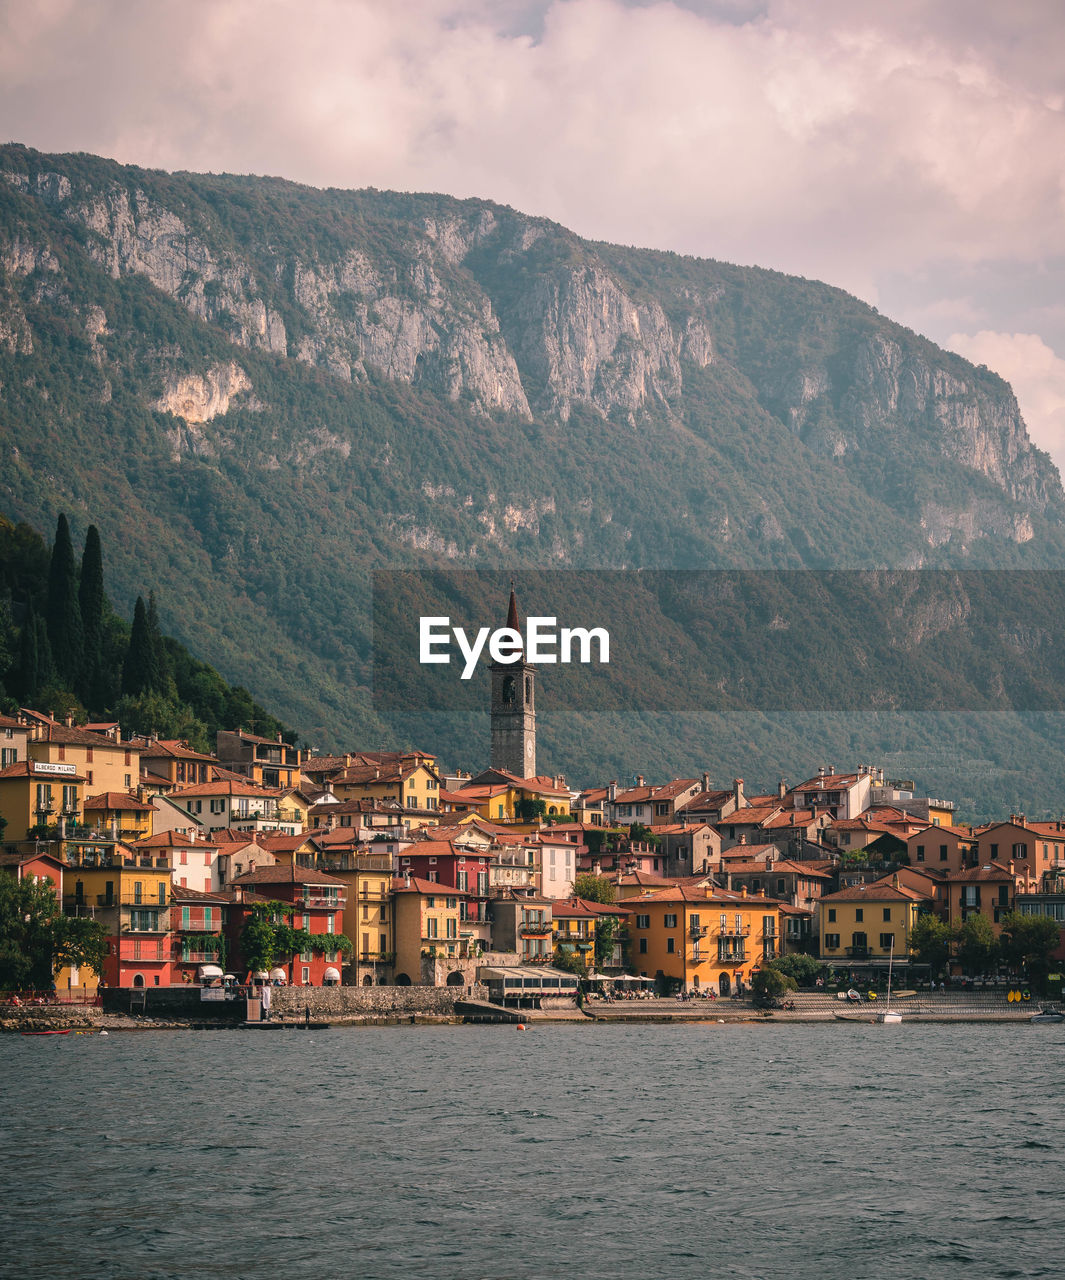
point(783, 864)
point(118, 800)
point(417, 885)
point(986, 871)
point(287, 873)
point(236, 786)
point(875, 892)
point(173, 840)
point(830, 782)
point(75, 736)
point(171, 749)
point(749, 816)
point(582, 909)
point(180, 893)
point(28, 769)
point(705, 896)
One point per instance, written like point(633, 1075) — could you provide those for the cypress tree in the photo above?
point(62, 611)
point(46, 672)
point(92, 602)
point(160, 658)
point(28, 678)
point(137, 669)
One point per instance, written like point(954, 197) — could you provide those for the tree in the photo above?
point(977, 945)
point(139, 673)
point(769, 984)
point(638, 833)
point(1026, 943)
point(607, 930)
point(62, 610)
point(804, 969)
point(36, 939)
point(93, 603)
point(594, 888)
point(930, 941)
point(257, 940)
point(569, 962)
point(531, 809)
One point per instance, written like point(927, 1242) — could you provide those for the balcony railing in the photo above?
point(331, 904)
point(737, 956)
point(532, 929)
point(732, 931)
point(857, 953)
point(698, 930)
point(198, 957)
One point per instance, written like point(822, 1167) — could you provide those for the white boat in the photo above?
point(1048, 1014)
point(889, 1014)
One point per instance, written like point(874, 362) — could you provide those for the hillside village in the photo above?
point(385, 869)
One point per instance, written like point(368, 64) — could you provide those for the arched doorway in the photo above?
point(368, 981)
point(456, 979)
point(402, 980)
point(723, 984)
point(138, 979)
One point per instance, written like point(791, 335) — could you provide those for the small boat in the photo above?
point(889, 1014)
point(46, 1033)
point(1048, 1014)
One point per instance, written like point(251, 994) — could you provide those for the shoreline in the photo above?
point(91, 1021)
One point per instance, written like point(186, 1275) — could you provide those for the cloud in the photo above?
point(1036, 374)
point(842, 140)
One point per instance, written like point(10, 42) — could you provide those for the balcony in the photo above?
point(858, 953)
point(731, 931)
point(330, 904)
point(737, 956)
point(198, 957)
point(698, 930)
point(534, 929)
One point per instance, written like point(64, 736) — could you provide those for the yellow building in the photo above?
point(501, 796)
point(34, 794)
point(410, 781)
point(102, 759)
point(699, 938)
point(427, 922)
point(130, 894)
point(368, 914)
point(861, 925)
point(119, 813)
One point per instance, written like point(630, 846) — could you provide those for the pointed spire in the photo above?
point(513, 621)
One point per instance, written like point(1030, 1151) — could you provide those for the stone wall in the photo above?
point(325, 1002)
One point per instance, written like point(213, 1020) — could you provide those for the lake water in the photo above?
point(595, 1151)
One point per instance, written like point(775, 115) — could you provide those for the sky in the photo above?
point(910, 152)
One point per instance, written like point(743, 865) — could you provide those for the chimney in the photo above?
point(639, 779)
point(406, 878)
point(821, 772)
point(706, 781)
point(895, 880)
point(737, 792)
point(782, 789)
point(743, 892)
point(612, 790)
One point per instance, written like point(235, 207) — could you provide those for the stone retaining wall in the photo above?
point(326, 1002)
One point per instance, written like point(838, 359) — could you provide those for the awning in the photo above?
point(278, 975)
point(210, 971)
point(331, 975)
point(261, 975)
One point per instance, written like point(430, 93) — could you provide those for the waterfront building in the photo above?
point(697, 937)
point(426, 929)
point(123, 815)
point(105, 761)
point(36, 795)
point(198, 922)
point(312, 900)
point(863, 924)
point(989, 890)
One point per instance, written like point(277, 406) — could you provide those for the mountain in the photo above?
point(262, 392)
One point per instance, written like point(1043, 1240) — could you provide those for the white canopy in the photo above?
point(332, 975)
point(210, 971)
point(278, 975)
point(261, 974)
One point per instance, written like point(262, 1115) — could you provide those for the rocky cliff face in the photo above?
point(507, 315)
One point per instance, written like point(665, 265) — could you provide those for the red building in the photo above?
point(313, 901)
point(197, 927)
point(455, 867)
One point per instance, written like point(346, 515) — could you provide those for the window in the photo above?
point(942, 853)
point(306, 976)
point(430, 927)
point(643, 922)
point(859, 914)
point(452, 927)
point(162, 893)
point(670, 945)
point(886, 939)
point(670, 921)
point(920, 853)
point(887, 913)
point(832, 915)
point(185, 912)
point(643, 946)
point(1003, 895)
point(9, 755)
point(781, 885)
point(463, 880)
point(184, 857)
point(330, 924)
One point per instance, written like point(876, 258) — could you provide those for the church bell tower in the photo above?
point(513, 710)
